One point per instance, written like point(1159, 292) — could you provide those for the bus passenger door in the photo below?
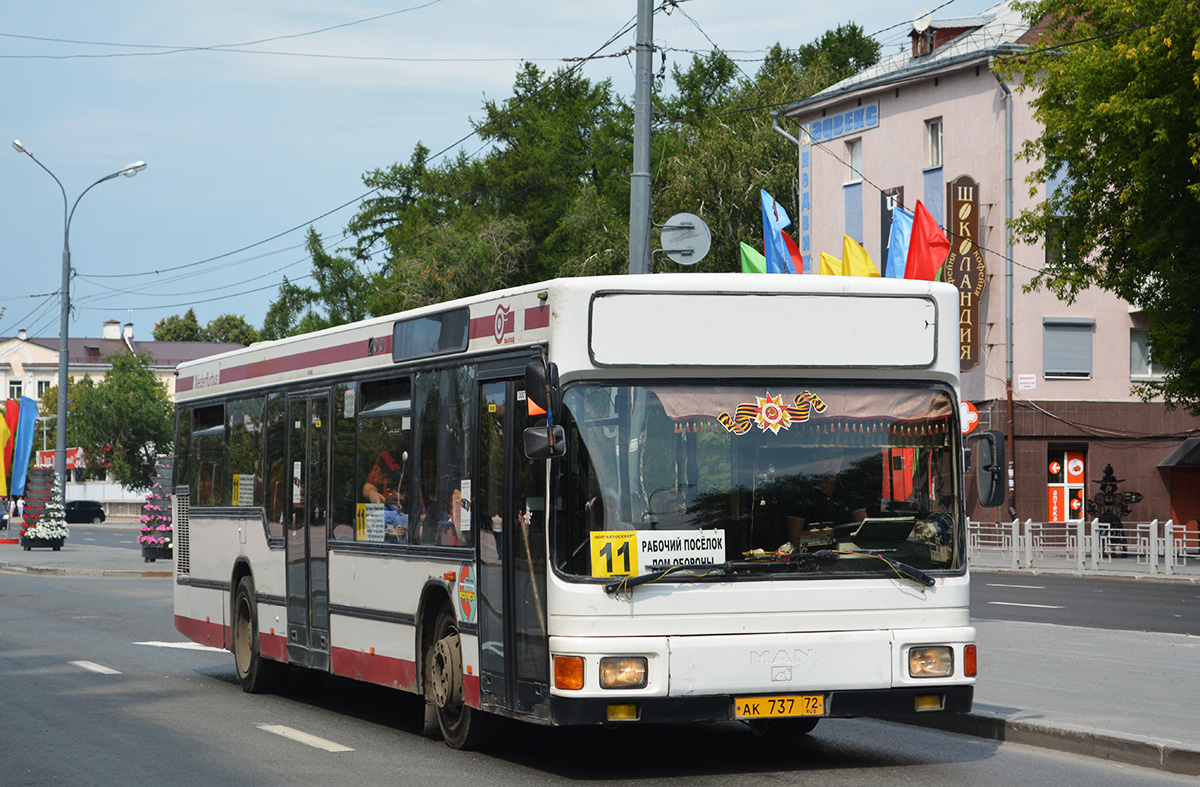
point(307, 521)
point(511, 511)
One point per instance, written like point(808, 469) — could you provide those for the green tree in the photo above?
point(179, 329)
point(339, 295)
point(549, 194)
point(47, 433)
point(716, 148)
point(124, 421)
point(1116, 89)
point(230, 328)
point(839, 53)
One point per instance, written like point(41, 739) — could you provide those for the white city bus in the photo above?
point(611, 500)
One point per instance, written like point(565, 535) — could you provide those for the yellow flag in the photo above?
point(830, 265)
point(4, 436)
point(855, 260)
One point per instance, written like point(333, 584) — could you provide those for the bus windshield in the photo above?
point(782, 473)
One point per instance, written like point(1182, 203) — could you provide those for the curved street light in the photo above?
point(60, 437)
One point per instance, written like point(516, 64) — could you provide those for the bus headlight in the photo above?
point(623, 672)
point(931, 662)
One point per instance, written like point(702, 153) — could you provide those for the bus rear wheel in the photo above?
point(256, 674)
point(463, 727)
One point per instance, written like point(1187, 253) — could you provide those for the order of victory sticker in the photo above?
point(626, 552)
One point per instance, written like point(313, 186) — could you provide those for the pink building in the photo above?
point(935, 123)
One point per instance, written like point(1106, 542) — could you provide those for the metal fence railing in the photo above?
point(1144, 547)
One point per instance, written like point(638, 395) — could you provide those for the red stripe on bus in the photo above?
point(372, 668)
point(273, 646)
point(184, 384)
point(471, 690)
point(203, 632)
point(482, 326)
point(537, 317)
point(290, 363)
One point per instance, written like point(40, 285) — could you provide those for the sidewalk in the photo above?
point(1124, 696)
point(78, 557)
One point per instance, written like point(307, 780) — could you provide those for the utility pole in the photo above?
point(639, 180)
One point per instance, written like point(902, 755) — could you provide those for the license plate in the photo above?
point(779, 707)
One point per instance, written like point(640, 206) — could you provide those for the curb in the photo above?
point(1153, 753)
point(82, 572)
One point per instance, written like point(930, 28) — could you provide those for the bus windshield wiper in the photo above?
point(903, 570)
point(701, 570)
point(629, 583)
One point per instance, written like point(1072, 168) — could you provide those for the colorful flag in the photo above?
point(775, 218)
point(752, 261)
point(793, 252)
point(830, 265)
point(4, 435)
point(897, 257)
point(23, 444)
point(12, 411)
point(927, 248)
point(855, 260)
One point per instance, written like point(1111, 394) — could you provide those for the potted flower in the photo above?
point(158, 533)
point(50, 529)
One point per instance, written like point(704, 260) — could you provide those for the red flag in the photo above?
point(12, 411)
point(927, 248)
point(794, 252)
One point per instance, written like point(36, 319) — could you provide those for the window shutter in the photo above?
point(1067, 348)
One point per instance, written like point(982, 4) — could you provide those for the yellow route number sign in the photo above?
point(614, 554)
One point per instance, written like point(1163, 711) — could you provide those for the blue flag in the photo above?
point(23, 444)
point(775, 218)
point(897, 258)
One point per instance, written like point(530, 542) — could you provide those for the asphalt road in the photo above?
point(1116, 604)
point(96, 687)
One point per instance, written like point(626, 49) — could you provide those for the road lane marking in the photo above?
point(1015, 604)
point(1024, 587)
point(183, 646)
point(94, 667)
point(303, 737)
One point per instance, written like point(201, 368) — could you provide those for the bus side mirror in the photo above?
point(990, 468)
point(541, 391)
point(541, 386)
point(545, 443)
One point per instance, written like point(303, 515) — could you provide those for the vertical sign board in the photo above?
point(1064, 486)
point(964, 268)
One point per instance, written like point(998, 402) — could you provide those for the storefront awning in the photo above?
point(1186, 453)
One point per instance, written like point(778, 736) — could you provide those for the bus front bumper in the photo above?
point(571, 711)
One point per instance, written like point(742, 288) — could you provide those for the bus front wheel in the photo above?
point(256, 674)
point(463, 727)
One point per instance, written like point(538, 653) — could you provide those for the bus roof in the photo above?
point(624, 321)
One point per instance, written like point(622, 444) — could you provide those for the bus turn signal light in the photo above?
point(568, 672)
point(970, 665)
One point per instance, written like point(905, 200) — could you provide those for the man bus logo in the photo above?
point(504, 325)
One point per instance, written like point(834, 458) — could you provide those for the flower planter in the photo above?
point(28, 543)
point(151, 553)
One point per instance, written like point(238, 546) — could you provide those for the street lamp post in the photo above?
point(60, 437)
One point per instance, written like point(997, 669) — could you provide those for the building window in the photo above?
point(1141, 360)
point(854, 161)
point(43, 386)
point(1067, 347)
point(933, 143)
point(15, 389)
point(1064, 485)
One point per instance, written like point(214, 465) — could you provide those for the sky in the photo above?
point(259, 119)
